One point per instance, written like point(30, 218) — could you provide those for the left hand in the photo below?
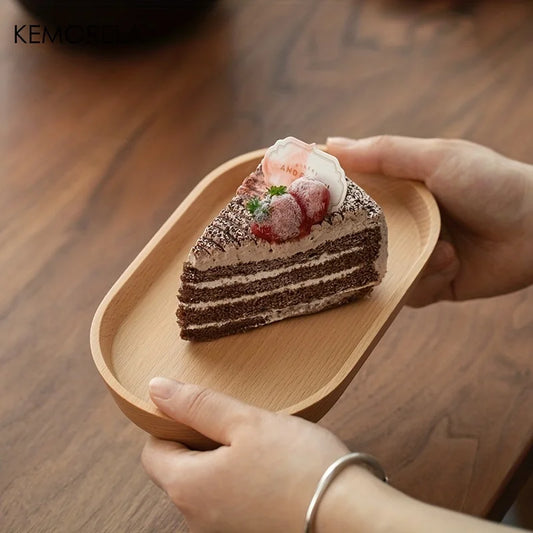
point(263, 476)
point(486, 204)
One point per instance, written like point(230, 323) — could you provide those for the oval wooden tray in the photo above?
point(300, 365)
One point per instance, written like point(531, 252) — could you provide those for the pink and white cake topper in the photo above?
point(290, 159)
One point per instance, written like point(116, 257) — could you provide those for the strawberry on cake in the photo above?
point(297, 238)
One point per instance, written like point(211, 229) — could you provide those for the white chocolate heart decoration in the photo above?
point(290, 159)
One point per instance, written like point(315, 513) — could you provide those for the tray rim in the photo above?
point(330, 392)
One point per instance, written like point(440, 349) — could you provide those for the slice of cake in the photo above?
point(297, 238)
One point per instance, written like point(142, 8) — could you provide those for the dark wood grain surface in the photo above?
point(97, 149)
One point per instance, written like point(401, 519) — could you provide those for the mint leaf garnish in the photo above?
point(277, 190)
point(253, 205)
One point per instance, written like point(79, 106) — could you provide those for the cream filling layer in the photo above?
point(243, 278)
point(294, 286)
point(263, 250)
point(293, 310)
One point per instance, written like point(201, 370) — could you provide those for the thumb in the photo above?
point(211, 413)
point(398, 157)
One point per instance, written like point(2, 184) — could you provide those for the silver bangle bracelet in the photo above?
point(329, 475)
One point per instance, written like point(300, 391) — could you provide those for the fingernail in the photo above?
point(163, 388)
point(340, 142)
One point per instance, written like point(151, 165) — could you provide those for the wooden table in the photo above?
point(98, 149)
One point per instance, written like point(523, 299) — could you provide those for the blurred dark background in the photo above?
point(127, 22)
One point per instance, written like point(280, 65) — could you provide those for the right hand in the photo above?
point(486, 203)
point(263, 476)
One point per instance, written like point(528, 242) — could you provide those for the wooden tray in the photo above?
point(300, 365)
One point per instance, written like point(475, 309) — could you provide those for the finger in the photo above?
point(161, 460)
point(443, 258)
point(431, 289)
point(399, 157)
point(436, 281)
point(211, 413)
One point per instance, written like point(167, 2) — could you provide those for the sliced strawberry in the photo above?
point(313, 198)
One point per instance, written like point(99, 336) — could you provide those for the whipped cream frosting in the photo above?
point(228, 239)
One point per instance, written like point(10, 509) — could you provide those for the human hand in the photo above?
point(263, 476)
point(486, 203)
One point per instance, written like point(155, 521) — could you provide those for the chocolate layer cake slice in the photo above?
point(297, 238)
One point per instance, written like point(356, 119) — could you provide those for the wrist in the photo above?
point(355, 501)
point(358, 502)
